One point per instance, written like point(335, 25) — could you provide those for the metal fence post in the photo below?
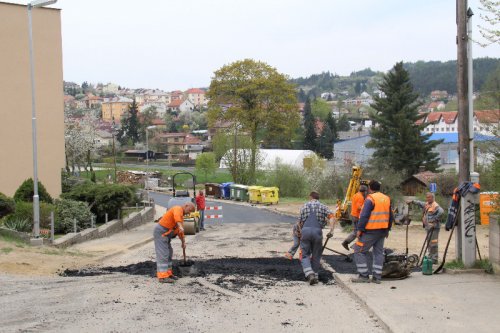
point(106, 218)
point(136, 206)
point(74, 225)
point(52, 226)
point(92, 224)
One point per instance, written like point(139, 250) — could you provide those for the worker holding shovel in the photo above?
point(170, 225)
point(431, 220)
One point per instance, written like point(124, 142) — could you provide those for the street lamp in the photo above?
point(147, 156)
point(36, 198)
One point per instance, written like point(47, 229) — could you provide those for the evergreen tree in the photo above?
point(129, 132)
point(325, 142)
point(309, 127)
point(332, 123)
point(398, 141)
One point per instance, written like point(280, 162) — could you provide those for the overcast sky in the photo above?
point(179, 44)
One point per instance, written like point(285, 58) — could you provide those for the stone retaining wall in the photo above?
point(108, 229)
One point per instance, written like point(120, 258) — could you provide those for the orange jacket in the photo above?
point(170, 219)
point(357, 203)
point(381, 213)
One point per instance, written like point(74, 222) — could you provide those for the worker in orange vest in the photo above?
point(431, 220)
point(170, 225)
point(358, 200)
point(375, 222)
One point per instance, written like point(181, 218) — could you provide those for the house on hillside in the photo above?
point(438, 95)
point(196, 96)
point(436, 106)
point(175, 143)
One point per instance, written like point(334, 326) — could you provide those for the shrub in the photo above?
point(24, 211)
point(7, 205)
point(290, 181)
point(26, 190)
point(18, 224)
point(103, 198)
point(68, 181)
point(67, 210)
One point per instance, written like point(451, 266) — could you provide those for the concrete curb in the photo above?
point(353, 294)
point(128, 248)
point(464, 271)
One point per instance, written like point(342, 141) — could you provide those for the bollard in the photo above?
point(74, 225)
point(92, 223)
point(118, 214)
point(52, 226)
point(136, 206)
point(106, 218)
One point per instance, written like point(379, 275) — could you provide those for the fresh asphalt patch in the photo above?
point(230, 273)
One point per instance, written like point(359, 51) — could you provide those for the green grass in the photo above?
point(6, 250)
point(454, 264)
point(16, 241)
point(484, 264)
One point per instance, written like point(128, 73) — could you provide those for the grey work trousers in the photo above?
point(432, 246)
point(361, 248)
point(163, 250)
point(311, 244)
point(352, 235)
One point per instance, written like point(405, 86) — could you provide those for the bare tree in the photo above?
point(491, 15)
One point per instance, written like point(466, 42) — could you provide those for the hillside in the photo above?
point(426, 76)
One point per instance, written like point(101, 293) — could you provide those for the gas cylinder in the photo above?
point(427, 266)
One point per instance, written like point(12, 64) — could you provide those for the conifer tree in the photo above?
point(309, 127)
point(129, 132)
point(398, 140)
point(332, 123)
point(325, 142)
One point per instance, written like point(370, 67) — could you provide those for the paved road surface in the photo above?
point(235, 213)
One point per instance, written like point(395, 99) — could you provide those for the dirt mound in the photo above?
point(230, 273)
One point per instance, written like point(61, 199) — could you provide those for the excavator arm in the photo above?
point(342, 212)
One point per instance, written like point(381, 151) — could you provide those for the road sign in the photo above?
point(433, 187)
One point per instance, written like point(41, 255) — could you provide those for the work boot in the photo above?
point(360, 279)
point(375, 280)
point(312, 279)
point(345, 244)
point(166, 280)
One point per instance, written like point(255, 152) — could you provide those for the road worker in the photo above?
point(200, 205)
point(375, 222)
point(170, 225)
point(357, 202)
point(313, 217)
point(431, 220)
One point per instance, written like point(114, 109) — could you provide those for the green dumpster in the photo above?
point(240, 192)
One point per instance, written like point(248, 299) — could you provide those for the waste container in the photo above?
point(212, 189)
point(269, 195)
point(239, 192)
point(254, 194)
point(225, 190)
point(232, 191)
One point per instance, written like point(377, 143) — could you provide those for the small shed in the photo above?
point(418, 183)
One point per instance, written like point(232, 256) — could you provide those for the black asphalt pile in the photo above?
point(341, 265)
point(231, 273)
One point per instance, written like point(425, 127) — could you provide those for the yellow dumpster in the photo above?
point(269, 195)
point(254, 194)
point(487, 203)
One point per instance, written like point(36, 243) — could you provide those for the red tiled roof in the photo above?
point(68, 98)
point(175, 103)
point(189, 139)
point(158, 121)
point(488, 116)
point(195, 91)
point(171, 135)
point(448, 117)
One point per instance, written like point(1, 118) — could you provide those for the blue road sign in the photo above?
point(433, 187)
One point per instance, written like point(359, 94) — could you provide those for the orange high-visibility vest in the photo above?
point(429, 209)
point(357, 203)
point(379, 218)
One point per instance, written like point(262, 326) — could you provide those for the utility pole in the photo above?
point(466, 233)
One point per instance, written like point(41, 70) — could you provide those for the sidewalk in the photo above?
point(444, 302)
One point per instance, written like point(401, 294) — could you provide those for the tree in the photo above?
point(129, 132)
point(205, 163)
point(343, 123)
point(26, 191)
point(147, 116)
point(321, 108)
point(492, 17)
point(254, 95)
point(332, 123)
point(398, 140)
point(325, 142)
point(309, 127)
